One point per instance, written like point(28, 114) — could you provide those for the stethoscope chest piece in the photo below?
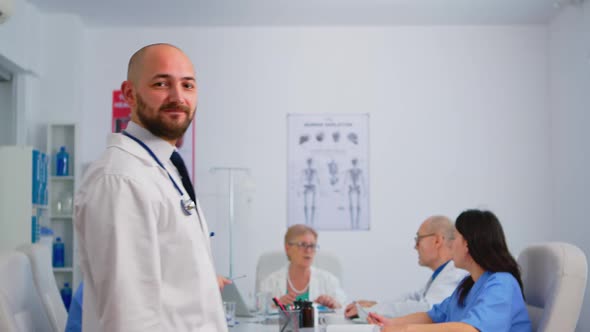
point(188, 206)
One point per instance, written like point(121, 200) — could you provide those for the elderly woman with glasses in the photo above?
point(299, 280)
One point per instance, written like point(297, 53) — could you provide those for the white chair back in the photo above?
point(271, 261)
point(21, 308)
point(554, 279)
point(40, 257)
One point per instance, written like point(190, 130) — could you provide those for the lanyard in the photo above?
point(187, 205)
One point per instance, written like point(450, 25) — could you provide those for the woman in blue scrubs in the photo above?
point(490, 299)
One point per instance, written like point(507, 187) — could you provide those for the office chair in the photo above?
point(271, 261)
point(40, 258)
point(554, 279)
point(21, 308)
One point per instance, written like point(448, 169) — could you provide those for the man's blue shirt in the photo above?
point(74, 323)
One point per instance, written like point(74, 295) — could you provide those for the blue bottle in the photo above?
point(58, 253)
point(62, 164)
point(66, 295)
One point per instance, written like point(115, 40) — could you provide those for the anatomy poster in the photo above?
point(328, 171)
point(122, 116)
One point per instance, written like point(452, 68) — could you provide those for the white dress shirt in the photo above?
point(434, 292)
point(147, 265)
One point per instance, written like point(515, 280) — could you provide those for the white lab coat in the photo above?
point(434, 292)
point(321, 283)
point(147, 266)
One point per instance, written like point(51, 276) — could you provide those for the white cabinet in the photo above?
point(61, 200)
point(23, 195)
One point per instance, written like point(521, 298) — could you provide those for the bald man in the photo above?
point(433, 243)
point(143, 241)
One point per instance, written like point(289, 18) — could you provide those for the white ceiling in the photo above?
point(305, 12)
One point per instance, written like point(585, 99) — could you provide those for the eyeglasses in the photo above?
point(304, 246)
point(418, 237)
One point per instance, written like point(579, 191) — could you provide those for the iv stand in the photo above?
point(230, 172)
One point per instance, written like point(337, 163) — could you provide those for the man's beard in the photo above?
point(157, 124)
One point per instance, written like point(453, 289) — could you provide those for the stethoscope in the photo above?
point(187, 204)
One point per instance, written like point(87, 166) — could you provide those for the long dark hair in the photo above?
point(487, 246)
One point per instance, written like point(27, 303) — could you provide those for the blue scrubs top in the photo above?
point(74, 323)
point(494, 304)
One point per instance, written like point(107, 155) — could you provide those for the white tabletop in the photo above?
point(249, 326)
point(334, 322)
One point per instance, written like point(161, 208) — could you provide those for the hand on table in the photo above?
point(327, 301)
point(351, 312)
point(377, 319)
point(288, 298)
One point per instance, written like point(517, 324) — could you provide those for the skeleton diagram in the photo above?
point(355, 182)
point(310, 187)
point(333, 171)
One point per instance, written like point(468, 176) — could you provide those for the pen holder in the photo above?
point(289, 320)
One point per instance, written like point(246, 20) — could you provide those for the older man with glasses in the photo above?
point(433, 244)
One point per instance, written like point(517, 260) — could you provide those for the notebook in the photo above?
point(231, 293)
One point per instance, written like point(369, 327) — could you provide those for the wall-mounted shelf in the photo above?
point(67, 217)
point(61, 200)
point(61, 178)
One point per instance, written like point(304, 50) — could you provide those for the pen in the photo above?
point(279, 304)
point(238, 277)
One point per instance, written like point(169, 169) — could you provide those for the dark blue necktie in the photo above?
point(186, 180)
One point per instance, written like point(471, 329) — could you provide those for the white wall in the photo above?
point(45, 53)
point(459, 119)
point(62, 81)
point(20, 36)
point(569, 59)
point(20, 53)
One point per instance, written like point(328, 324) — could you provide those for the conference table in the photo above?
point(328, 322)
